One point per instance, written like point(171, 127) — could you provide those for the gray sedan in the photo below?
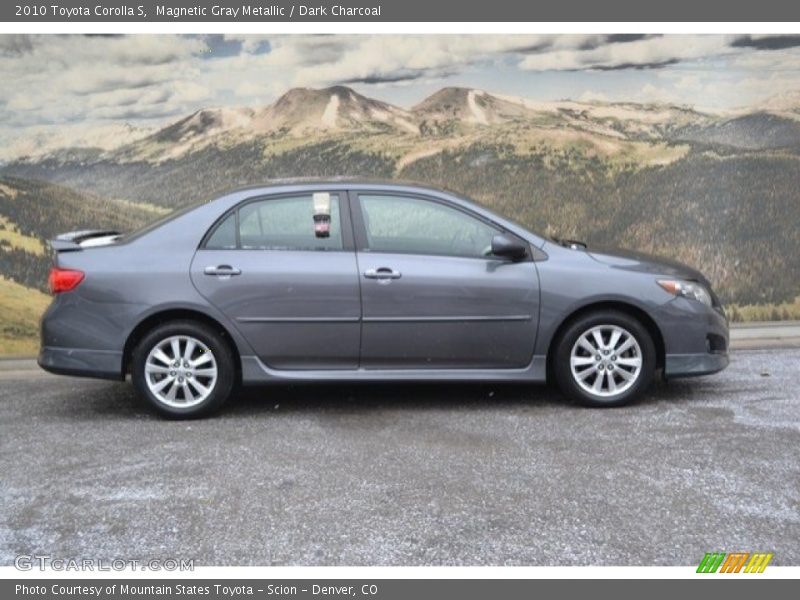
point(369, 282)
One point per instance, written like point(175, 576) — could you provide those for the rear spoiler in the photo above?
point(77, 240)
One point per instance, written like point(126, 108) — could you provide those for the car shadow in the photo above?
point(119, 401)
point(359, 397)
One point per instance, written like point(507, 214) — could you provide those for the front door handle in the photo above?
point(222, 271)
point(382, 273)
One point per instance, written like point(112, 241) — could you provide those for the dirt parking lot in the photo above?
point(408, 475)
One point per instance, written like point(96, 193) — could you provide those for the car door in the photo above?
point(290, 286)
point(432, 294)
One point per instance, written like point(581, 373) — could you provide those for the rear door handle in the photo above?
point(382, 273)
point(222, 271)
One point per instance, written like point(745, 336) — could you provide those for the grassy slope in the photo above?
point(34, 211)
point(11, 237)
point(784, 311)
point(30, 212)
point(20, 310)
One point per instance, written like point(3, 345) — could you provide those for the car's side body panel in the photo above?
point(443, 311)
point(298, 310)
point(571, 281)
point(473, 319)
point(126, 284)
point(448, 312)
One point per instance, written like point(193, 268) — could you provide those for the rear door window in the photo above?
point(303, 222)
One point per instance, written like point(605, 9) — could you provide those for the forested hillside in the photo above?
point(720, 193)
point(33, 211)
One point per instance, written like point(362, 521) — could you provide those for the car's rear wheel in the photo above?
point(604, 359)
point(183, 369)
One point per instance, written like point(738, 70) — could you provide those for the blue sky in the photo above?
point(63, 81)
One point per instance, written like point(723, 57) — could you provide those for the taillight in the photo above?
point(64, 280)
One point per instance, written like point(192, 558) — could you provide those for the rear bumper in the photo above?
point(102, 364)
point(694, 365)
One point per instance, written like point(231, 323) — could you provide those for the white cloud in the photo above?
point(258, 89)
point(591, 96)
point(67, 78)
point(643, 53)
point(73, 79)
point(388, 58)
point(651, 92)
point(783, 60)
point(249, 43)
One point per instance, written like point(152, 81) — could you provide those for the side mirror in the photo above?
point(508, 247)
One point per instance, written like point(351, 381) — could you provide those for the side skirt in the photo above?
point(254, 371)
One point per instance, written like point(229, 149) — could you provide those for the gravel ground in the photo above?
point(407, 474)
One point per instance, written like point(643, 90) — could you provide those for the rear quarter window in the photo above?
point(224, 236)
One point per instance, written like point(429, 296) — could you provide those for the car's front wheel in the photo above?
point(605, 359)
point(183, 369)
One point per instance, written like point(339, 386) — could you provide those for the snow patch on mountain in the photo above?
point(331, 112)
point(477, 112)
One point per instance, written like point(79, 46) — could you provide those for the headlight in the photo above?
point(687, 289)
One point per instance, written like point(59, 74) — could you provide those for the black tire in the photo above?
point(567, 340)
point(221, 353)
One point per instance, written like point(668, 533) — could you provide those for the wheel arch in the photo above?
point(630, 309)
point(177, 314)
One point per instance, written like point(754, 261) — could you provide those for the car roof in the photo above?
point(339, 183)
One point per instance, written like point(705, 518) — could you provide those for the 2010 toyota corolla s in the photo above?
point(345, 281)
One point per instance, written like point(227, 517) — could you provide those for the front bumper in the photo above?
point(694, 365)
point(102, 364)
point(695, 336)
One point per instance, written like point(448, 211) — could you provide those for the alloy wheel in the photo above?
point(181, 371)
point(606, 360)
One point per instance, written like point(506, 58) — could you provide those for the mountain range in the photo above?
point(718, 191)
point(303, 112)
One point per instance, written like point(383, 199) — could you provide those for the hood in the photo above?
point(646, 263)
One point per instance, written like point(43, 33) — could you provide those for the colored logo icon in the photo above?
point(734, 562)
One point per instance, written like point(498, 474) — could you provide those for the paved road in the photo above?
point(784, 334)
point(407, 474)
